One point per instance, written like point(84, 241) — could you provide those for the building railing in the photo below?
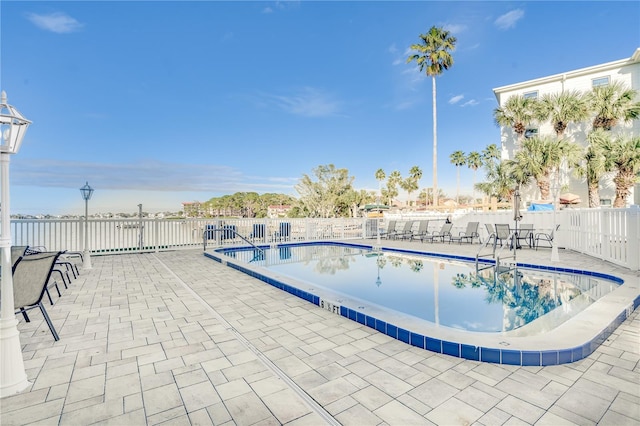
point(609, 234)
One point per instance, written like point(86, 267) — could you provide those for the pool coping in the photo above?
point(570, 341)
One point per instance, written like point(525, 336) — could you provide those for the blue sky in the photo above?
point(163, 102)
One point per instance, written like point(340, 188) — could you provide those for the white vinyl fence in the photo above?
point(609, 234)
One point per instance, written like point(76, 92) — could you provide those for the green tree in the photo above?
point(562, 109)
point(358, 199)
point(594, 167)
point(380, 176)
point(500, 182)
point(393, 181)
point(539, 157)
point(490, 156)
point(474, 162)
point(410, 184)
point(434, 57)
point(611, 104)
point(623, 158)
point(518, 112)
point(426, 196)
point(325, 197)
point(458, 159)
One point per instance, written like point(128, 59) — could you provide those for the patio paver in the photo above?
point(174, 337)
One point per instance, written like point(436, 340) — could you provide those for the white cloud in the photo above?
point(307, 102)
point(470, 102)
point(509, 19)
point(57, 22)
point(455, 29)
point(267, 10)
point(146, 176)
point(456, 99)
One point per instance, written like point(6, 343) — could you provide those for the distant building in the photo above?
point(192, 208)
point(278, 211)
point(626, 71)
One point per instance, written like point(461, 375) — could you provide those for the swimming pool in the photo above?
point(437, 303)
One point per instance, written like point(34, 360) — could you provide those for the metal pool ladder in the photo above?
point(499, 268)
point(205, 239)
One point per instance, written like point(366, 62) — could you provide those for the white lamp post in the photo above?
point(379, 200)
point(86, 192)
point(13, 377)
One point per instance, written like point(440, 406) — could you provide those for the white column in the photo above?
point(13, 377)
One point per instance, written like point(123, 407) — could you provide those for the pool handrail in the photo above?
point(226, 229)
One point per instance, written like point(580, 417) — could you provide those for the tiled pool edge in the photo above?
point(460, 350)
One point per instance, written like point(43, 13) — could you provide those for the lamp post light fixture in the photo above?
point(13, 377)
point(86, 192)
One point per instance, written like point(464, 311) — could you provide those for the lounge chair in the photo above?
point(469, 234)
point(390, 229)
point(258, 231)
point(30, 278)
point(443, 233)
point(284, 232)
point(423, 229)
point(406, 230)
point(541, 236)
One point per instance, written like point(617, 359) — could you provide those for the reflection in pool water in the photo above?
point(446, 292)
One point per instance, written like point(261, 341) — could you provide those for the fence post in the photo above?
point(633, 237)
point(156, 232)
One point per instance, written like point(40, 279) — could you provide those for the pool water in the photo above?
point(442, 290)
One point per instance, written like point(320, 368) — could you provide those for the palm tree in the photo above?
point(595, 165)
point(392, 185)
point(380, 175)
point(434, 57)
point(474, 162)
point(500, 182)
point(563, 109)
point(410, 184)
point(458, 159)
point(518, 112)
point(489, 155)
point(623, 157)
point(539, 157)
point(612, 103)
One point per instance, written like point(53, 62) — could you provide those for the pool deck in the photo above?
point(177, 338)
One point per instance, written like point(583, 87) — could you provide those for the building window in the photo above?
point(602, 81)
point(530, 133)
point(531, 95)
point(605, 202)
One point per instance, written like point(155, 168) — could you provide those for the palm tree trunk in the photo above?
point(624, 180)
point(435, 145)
point(458, 185)
point(594, 196)
point(474, 187)
point(544, 186)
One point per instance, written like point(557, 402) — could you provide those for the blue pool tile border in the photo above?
point(459, 350)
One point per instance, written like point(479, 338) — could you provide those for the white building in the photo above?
point(626, 71)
